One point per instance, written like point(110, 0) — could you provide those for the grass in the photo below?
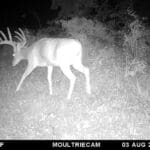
point(114, 110)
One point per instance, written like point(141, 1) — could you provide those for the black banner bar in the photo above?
point(67, 144)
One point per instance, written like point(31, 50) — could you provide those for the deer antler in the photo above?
point(21, 36)
point(5, 40)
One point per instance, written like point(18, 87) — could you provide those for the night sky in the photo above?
point(26, 13)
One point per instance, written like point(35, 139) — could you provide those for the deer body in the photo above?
point(50, 52)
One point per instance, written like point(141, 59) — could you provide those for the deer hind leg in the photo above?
point(49, 77)
point(80, 67)
point(26, 73)
point(67, 71)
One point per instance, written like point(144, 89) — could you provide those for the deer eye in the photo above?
point(13, 55)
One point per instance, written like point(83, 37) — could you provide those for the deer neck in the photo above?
point(24, 52)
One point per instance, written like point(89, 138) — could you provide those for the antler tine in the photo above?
point(20, 39)
point(21, 36)
point(9, 34)
point(5, 40)
point(3, 35)
point(22, 33)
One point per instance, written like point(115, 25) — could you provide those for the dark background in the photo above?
point(25, 13)
point(32, 14)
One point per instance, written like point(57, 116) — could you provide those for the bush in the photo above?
point(93, 34)
point(86, 27)
point(135, 48)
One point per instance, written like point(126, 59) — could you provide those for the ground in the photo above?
point(113, 110)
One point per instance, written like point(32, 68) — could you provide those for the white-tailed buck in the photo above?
point(49, 52)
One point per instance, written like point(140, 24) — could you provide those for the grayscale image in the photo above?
point(75, 70)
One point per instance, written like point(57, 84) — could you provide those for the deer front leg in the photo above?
point(67, 72)
point(26, 73)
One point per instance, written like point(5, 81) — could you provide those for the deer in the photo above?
point(48, 52)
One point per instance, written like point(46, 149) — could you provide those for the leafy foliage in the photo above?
point(71, 8)
point(113, 13)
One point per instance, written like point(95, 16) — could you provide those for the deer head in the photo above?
point(17, 46)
